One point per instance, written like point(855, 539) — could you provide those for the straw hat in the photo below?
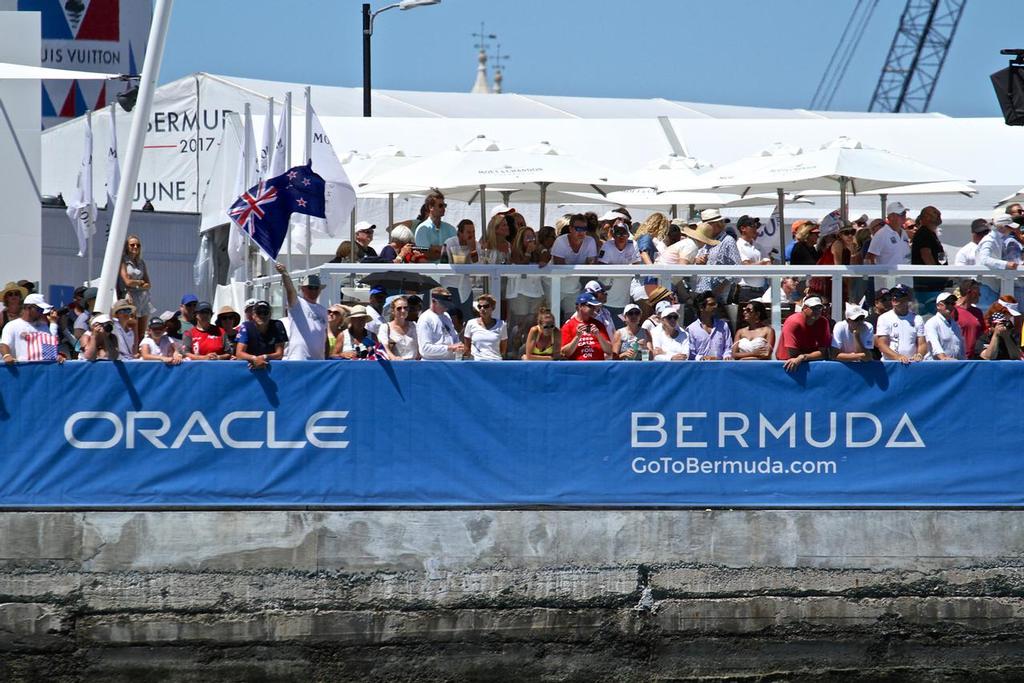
point(658, 294)
point(226, 310)
point(695, 233)
point(13, 287)
point(358, 311)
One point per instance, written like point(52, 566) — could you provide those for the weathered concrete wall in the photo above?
point(512, 595)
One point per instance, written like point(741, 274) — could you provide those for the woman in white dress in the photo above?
point(398, 337)
point(135, 278)
point(757, 339)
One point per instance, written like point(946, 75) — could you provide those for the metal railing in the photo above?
point(337, 275)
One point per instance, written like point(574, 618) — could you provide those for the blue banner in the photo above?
point(502, 434)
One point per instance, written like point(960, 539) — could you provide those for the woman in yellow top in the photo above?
point(544, 340)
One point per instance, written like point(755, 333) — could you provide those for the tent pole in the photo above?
point(674, 211)
point(692, 212)
point(133, 157)
point(781, 202)
point(483, 209)
point(391, 211)
point(543, 203)
point(352, 235)
point(885, 200)
point(842, 197)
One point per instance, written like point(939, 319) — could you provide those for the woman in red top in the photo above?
point(206, 341)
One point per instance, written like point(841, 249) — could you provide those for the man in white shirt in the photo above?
point(306, 323)
point(750, 255)
point(967, 253)
point(890, 245)
point(17, 334)
point(900, 334)
point(573, 248)
point(943, 334)
point(435, 332)
point(853, 338)
point(992, 254)
point(618, 251)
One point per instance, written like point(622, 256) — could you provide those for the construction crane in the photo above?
point(916, 55)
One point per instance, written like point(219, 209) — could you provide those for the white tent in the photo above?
point(190, 115)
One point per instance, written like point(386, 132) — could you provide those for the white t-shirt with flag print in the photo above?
point(29, 341)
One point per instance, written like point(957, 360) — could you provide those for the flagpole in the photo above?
point(136, 140)
point(309, 155)
point(247, 173)
point(267, 144)
point(288, 157)
point(92, 201)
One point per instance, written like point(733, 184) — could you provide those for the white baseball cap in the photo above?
point(665, 306)
point(37, 300)
point(854, 311)
point(813, 301)
point(612, 216)
point(895, 207)
point(502, 209)
point(365, 226)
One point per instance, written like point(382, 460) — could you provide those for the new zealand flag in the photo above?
point(263, 211)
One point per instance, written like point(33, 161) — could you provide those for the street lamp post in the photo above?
point(368, 17)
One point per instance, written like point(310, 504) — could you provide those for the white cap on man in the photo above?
point(895, 207)
point(37, 300)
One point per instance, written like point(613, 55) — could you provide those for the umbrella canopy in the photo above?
point(842, 163)
point(647, 197)
point(963, 188)
point(1016, 197)
point(400, 280)
point(482, 163)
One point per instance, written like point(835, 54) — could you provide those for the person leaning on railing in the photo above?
point(261, 339)
point(805, 335)
point(544, 340)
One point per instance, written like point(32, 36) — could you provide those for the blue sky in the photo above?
point(761, 53)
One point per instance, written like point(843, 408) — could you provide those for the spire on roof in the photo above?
point(481, 86)
point(499, 67)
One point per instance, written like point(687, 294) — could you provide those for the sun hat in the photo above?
point(122, 304)
point(14, 287)
point(695, 233)
point(358, 312)
point(710, 215)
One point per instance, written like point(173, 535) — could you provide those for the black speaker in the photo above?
point(1009, 87)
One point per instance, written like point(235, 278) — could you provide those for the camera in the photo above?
point(108, 328)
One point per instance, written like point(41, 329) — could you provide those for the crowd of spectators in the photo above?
point(709, 317)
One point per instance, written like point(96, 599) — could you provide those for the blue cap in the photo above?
point(899, 291)
point(587, 298)
point(189, 299)
point(377, 290)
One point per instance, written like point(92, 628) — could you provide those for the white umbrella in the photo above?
point(843, 164)
point(647, 197)
point(364, 168)
point(963, 188)
point(483, 164)
point(1017, 196)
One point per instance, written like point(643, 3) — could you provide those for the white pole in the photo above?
point(543, 203)
point(133, 158)
point(288, 157)
point(883, 197)
point(92, 201)
point(782, 222)
point(483, 209)
point(305, 160)
point(247, 151)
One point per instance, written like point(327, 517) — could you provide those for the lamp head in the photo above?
point(413, 4)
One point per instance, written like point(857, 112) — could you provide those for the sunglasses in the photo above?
point(123, 311)
point(482, 306)
point(579, 228)
point(401, 308)
point(632, 313)
point(670, 316)
point(847, 233)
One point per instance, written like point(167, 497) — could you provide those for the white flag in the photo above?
point(266, 145)
point(245, 177)
point(113, 166)
point(768, 236)
point(280, 163)
point(340, 196)
point(81, 210)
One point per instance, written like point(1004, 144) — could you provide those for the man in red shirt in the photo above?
point(588, 339)
point(205, 341)
point(805, 335)
point(969, 316)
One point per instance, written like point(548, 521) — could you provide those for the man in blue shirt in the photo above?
point(432, 233)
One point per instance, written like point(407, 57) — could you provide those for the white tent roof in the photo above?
point(178, 165)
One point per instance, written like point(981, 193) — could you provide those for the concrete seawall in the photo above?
point(512, 595)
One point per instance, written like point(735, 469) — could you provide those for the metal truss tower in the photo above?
point(916, 56)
